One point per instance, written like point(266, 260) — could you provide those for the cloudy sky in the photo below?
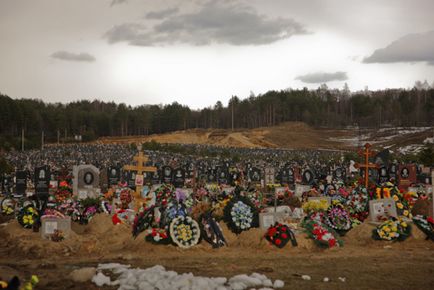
point(197, 52)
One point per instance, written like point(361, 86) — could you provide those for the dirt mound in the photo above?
point(360, 235)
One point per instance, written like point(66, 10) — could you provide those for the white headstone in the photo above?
point(86, 181)
point(382, 209)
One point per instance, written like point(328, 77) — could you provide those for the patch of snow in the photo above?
point(429, 140)
point(306, 277)
point(158, 277)
point(410, 149)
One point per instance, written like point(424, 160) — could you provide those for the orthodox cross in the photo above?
point(140, 167)
point(366, 153)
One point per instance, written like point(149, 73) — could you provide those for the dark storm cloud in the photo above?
point(321, 77)
point(162, 14)
point(409, 48)
point(214, 22)
point(70, 56)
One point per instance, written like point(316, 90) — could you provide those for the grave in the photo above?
point(86, 181)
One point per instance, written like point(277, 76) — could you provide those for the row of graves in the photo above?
point(178, 206)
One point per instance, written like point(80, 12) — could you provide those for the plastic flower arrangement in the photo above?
point(357, 204)
point(316, 205)
point(164, 195)
point(392, 230)
point(28, 216)
point(63, 192)
point(184, 232)
point(338, 219)
point(426, 225)
point(279, 235)
point(211, 231)
point(7, 206)
point(404, 201)
point(322, 235)
point(240, 215)
point(14, 283)
point(88, 213)
point(157, 235)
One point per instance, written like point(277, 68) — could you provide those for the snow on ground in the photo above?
point(387, 134)
point(158, 277)
point(429, 140)
point(410, 149)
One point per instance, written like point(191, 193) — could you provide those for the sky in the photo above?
point(200, 51)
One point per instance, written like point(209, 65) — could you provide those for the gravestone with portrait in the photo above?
point(211, 176)
point(178, 177)
point(167, 174)
point(339, 174)
point(20, 182)
point(86, 181)
point(382, 209)
point(223, 175)
point(254, 175)
point(114, 175)
point(308, 177)
point(42, 181)
point(406, 175)
point(383, 175)
point(156, 177)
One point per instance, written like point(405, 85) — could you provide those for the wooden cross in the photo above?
point(141, 160)
point(366, 153)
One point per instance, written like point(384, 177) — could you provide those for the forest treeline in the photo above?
point(320, 108)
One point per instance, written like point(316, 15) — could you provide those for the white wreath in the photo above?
point(194, 226)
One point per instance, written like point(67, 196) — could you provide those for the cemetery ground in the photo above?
point(363, 262)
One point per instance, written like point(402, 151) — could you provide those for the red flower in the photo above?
point(277, 242)
point(284, 236)
point(272, 231)
point(332, 243)
point(430, 220)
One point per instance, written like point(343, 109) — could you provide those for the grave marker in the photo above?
point(86, 181)
point(382, 209)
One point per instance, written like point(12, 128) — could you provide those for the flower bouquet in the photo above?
point(338, 219)
point(165, 194)
point(426, 225)
point(322, 235)
point(357, 203)
point(211, 231)
point(184, 232)
point(157, 235)
point(28, 216)
point(392, 230)
point(404, 201)
point(240, 215)
point(316, 205)
point(279, 235)
point(7, 206)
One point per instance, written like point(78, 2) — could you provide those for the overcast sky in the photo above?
point(197, 52)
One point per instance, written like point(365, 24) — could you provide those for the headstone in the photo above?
point(114, 175)
point(255, 175)
point(269, 175)
point(156, 177)
point(382, 209)
point(300, 189)
point(103, 180)
point(20, 182)
point(131, 179)
point(393, 172)
point(49, 225)
point(86, 181)
point(308, 177)
point(339, 173)
point(267, 219)
point(383, 175)
point(407, 175)
point(42, 181)
point(167, 174)
point(179, 177)
point(211, 176)
point(223, 175)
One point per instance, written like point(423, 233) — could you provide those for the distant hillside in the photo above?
point(294, 135)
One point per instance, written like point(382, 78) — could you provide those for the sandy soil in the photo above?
point(365, 263)
point(293, 135)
